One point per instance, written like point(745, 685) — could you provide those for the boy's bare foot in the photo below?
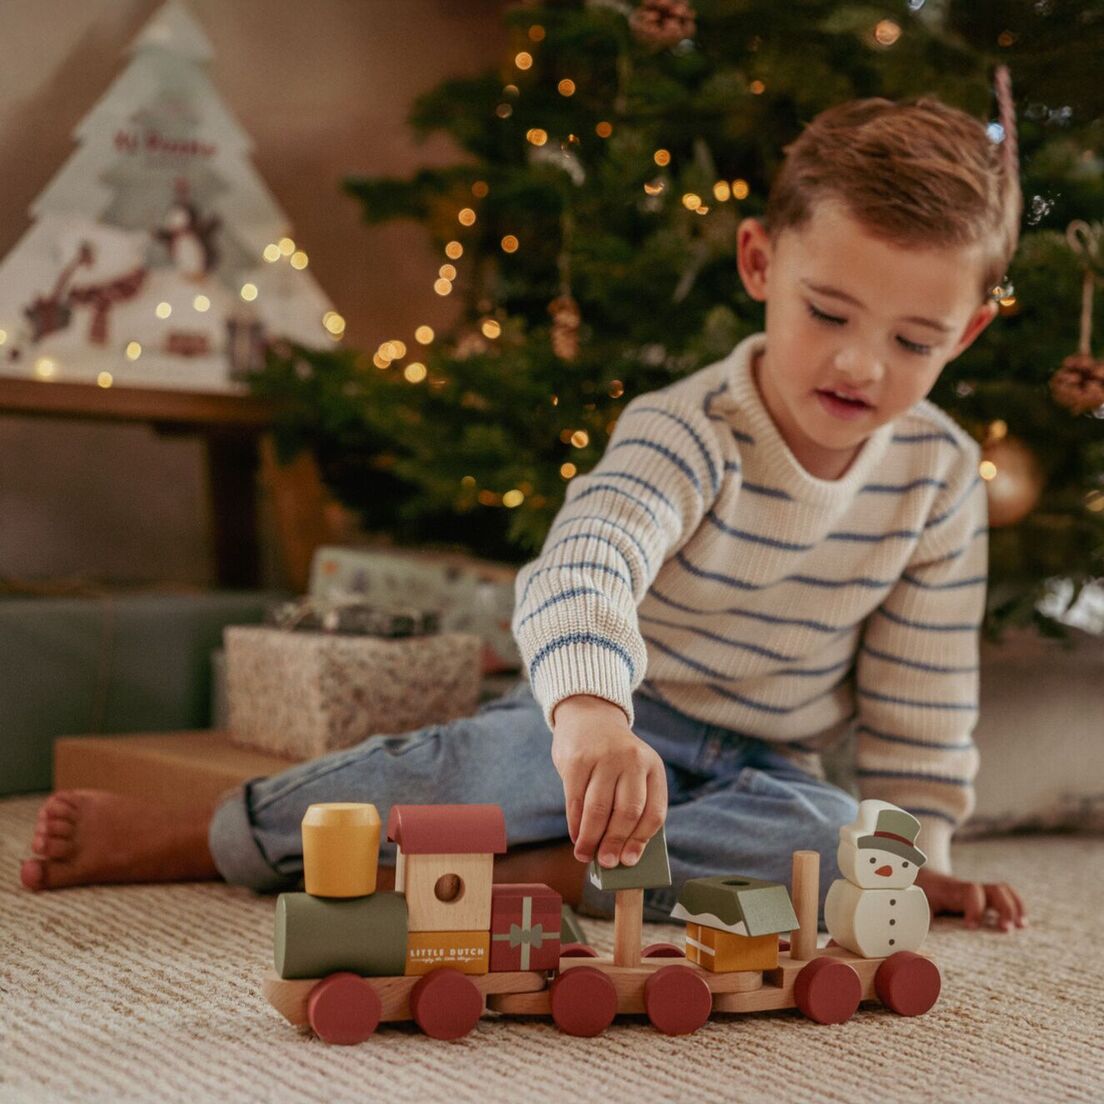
point(90, 837)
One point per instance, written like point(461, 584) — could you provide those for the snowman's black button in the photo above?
point(892, 941)
point(893, 900)
point(893, 921)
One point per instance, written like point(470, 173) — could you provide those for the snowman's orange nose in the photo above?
point(884, 871)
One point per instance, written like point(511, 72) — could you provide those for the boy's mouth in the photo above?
point(841, 405)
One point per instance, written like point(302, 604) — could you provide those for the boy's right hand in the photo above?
point(615, 785)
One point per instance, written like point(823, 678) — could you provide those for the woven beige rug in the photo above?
point(153, 994)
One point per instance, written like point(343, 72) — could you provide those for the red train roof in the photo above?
point(447, 829)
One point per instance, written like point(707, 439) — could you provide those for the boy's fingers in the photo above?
point(597, 806)
point(973, 904)
point(1003, 900)
point(630, 798)
point(1021, 918)
point(575, 781)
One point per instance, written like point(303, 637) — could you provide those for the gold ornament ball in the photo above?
point(1015, 489)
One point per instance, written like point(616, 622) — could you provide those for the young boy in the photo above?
point(784, 543)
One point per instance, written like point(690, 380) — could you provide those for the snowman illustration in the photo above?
point(875, 909)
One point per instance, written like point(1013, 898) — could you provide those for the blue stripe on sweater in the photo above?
point(932, 522)
point(768, 492)
point(714, 478)
point(914, 776)
point(914, 438)
point(766, 653)
point(591, 565)
point(935, 670)
point(779, 710)
point(594, 488)
point(648, 486)
point(912, 580)
point(919, 811)
point(916, 703)
point(705, 670)
point(770, 619)
point(569, 519)
point(556, 643)
point(807, 580)
point(913, 741)
point(665, 452)
point(744, 438)
point(562, 597)
point(928, 626)
point(901, 488)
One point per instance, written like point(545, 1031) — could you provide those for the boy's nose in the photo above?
point(859, 366)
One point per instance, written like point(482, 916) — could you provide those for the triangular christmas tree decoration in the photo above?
point(157, 256)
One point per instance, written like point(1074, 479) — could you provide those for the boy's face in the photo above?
point(844, 314)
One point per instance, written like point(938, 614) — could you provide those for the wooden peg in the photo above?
point(805, 891)
point(628, 919)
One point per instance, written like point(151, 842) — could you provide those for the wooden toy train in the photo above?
point(447, 944)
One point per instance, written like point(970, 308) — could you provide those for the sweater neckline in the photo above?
point(770, 453)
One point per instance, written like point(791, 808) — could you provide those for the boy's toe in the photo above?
point(32, 873)
point(59, 828)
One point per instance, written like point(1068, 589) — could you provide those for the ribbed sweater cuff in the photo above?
point(935, 841)
point(582, 669)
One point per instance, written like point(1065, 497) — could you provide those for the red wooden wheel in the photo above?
point(343, 1009)
point(677, 1000)
point(578, 950)
point(908, 983)
point(446, 1004)
point(662, 950)
point(828, 990)
point(584, 1001)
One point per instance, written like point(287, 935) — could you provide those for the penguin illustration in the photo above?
point(189, 236)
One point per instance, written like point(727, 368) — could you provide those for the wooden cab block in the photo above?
point(340, 849)
point(316, 936)
point(723, 952)
point(446, 892)
point(466, 951)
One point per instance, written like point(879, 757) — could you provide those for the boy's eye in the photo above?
point(831, 320)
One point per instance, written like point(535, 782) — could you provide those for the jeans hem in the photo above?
point(234, 848)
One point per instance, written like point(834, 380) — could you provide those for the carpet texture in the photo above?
point(153, 994)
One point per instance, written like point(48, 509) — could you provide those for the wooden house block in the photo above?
point(316, 936)
point(722, 952)
point(525, 927)
point(340, 849)
point(466, 951)
point(652, 870)
point(445, 863)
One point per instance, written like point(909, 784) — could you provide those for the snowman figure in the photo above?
point(875, 909)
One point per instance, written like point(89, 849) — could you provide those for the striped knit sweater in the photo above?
point(701, 563)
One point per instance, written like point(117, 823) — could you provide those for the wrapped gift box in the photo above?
point(301, 694)
point(525, 927)
point(471, 595)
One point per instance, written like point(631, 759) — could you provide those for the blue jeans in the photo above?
point(736, 805)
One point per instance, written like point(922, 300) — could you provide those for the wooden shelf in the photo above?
point(134, 404)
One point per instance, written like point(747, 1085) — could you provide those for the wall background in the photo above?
point(323, 89)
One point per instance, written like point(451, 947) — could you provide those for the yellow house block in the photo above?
point(466, 951)
point(340, 849)
point(723, 952)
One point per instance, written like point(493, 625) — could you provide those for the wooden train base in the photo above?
point(585, 992)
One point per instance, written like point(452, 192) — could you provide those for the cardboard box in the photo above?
point(183, 769)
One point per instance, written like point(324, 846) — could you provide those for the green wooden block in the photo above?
point(744, 906)
point(652, 871)
point(316, 936)
point(571, 931)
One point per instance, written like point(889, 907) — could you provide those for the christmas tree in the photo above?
point(591, 230)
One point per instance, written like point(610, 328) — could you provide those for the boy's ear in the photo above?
point(975, 326)
point(753, 257)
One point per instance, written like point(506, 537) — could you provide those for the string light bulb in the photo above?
point(604, 129)
point(740, 189)
point(691, 201)
point(722, 191)
point(163, 310)
point(887, 32)
point(442, 286)
point(299, 260)
point(272, 252)
point(566, 87)
point(509, 244)
point(524, 60)
point(133, 350)
point(105, 379)
point(567, 471)
point(662, 157)
point(424, 335)
point(201, 303)
point(454, 251)
point(491, 328)
point(480, 189)
point(536, 136)
point(415, 372)
point(249, 292)
point(447, 271)
point(466, 216)
point(513, 498)
point(286, 246)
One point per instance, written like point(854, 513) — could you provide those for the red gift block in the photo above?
point(525, 927)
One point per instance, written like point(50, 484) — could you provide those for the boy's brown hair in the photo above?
point(915, 173)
